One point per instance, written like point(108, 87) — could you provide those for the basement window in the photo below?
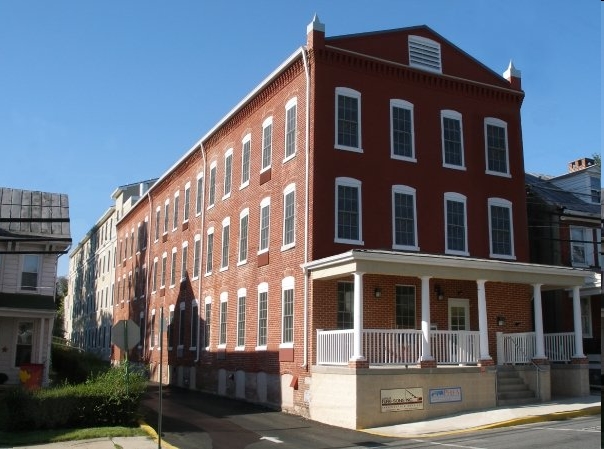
point(424, 54)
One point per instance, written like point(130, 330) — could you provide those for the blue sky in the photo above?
point(97, 94)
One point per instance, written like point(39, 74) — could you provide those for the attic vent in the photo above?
point(424, 54)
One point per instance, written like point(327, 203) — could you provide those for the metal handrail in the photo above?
point(530, 360)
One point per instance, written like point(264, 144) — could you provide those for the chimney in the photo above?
point(512, 74)
point(580, 164)
point(315, 33)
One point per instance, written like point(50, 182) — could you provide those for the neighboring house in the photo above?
point(565, 228)
point(34, 232)
point(89, 303)
point(363, 207)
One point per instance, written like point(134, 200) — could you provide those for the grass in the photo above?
point(57, 435)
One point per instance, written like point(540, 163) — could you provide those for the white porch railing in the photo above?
point(520, 348)
point(398, 347)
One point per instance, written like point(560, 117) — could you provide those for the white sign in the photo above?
point(402, 399)
point(440, 395)
point(125, 334)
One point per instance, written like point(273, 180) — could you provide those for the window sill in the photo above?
point(497, 173)
point(351, 149)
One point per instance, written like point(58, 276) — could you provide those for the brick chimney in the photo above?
point(315, 33)
point(512, 74)
point(580, 164)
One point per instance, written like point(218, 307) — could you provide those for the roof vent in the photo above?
point(424, 54)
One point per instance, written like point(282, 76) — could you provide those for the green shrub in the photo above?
point(106, 399)
point(73, 366)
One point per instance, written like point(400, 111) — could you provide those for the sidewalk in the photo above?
point(496, 417)
point(491, 418)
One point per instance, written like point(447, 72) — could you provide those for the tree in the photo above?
point(61, 289)
point(597, 157)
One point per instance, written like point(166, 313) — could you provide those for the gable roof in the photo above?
point(559, 198)
point(33, 215)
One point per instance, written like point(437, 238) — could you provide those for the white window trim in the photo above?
point(241, 293)
point(267, 122)
point(291, 188)
point(587, 236)
point(247, 138)
point(347, 92)
point(155, 275)
point(207, 300)
point(227, 154)
point(200, 208)
point(167, 216)
point(194, 303)
point(196, 239)
point(501, 202)
point(288, 283)
point(156, 234)
point(262, 288)
point(205, 265)
point(458, 198)
point(500, 123)
point(173, 263)
point(186, 209)
point(402, 104)
point(184, 261)
point(213, 168)
point(175, 211)
point(224, 297)
point(245, 212)
point(162, 273)
point(264, 203)
point(290, 104)
point(349, 182)
point(404, 190)
point(454, 115)
point(226, 222)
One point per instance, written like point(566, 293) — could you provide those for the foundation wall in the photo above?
point(570, 380)
point(363, 398)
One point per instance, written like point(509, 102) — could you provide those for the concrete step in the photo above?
point(511, 389)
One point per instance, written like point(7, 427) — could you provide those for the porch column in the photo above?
point(358, 360)
point(426, 359)
point(540, 340)
point(577, 324)
point(483, 325)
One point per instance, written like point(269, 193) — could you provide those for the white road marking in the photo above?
point(272, 439)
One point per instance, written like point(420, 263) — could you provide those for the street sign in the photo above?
point(125, 334)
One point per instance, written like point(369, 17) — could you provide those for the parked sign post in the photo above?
point(125, 334)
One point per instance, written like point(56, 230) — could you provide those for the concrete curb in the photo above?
point(557, 416)
point(153, 434)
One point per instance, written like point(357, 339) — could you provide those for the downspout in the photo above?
point(306, 201)
point(201, 230)
point(147, 296)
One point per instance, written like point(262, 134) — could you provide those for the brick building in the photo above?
point(364, 206)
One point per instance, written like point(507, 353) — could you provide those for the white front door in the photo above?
point(459, 320)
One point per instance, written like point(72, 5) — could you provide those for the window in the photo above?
point(594, 187)
point(290, 128)
point(212, 191)
point(265, 216)
point(348, 211)
point(199, 194)
point(456, 233)
point(228, 173)
point(586, 325)
point(209, 250)
point(196, 256)
point(208, 322)
point(289, 216)
point(185, 213)
point(348, 119)
point(29, 273)
point(500, 227)
point(173, 268)
point(176, 206)
point(185, 256)
point(226, 225)
point(157, 222)
point(267, 143)
point(154, 276)
point(452, 139)
point(243, 230)
point(496, 146)
point(287, 310)
point(223, 318)
point(170, 327)
point(405, 307)
point(241, 294)
point(141, 327)
point(404, 226)
point(164, 261)
point(262, 314)
point(25, 339)
point(582, 246)
point(194, 324)
point(246, 144)
point(166, 215)
point(401, 125)
point(345, 305)
point(424, 54)
point(152, 336)
point(181, 325)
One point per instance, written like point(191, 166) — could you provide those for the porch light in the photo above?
point(500, 320)
point(439, 292)
point(377, 292)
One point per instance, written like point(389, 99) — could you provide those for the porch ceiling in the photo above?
point(446, 267)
